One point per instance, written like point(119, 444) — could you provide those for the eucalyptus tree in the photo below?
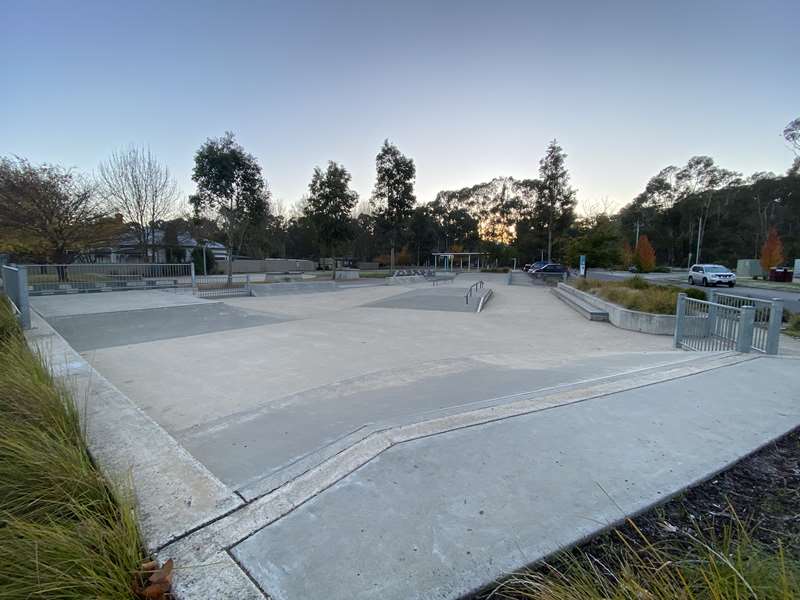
point(393, 196)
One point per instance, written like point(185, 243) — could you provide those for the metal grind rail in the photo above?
point(478, 285)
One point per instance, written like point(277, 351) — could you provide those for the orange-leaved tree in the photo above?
point(771, 251)
point(644, 255)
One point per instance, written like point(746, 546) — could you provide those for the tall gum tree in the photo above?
point(393, 196)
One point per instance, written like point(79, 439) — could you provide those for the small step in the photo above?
point(587, 310)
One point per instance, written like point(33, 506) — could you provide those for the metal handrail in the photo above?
point(476, 286)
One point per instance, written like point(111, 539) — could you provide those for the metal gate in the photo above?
point(728, 322)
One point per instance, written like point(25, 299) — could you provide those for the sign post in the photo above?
point(582, 267)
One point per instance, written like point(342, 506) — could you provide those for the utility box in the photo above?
point(749, 267)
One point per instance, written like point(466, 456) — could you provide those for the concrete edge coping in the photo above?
point(208, 549)
point(174, 493)
point(625, 318)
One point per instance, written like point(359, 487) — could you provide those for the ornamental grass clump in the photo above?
point(65, 531)
point(698, 565)
point(636, 293)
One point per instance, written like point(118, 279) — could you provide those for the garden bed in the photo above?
point(636, 293)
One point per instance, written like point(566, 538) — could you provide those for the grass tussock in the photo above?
point(64, 531)
point(698, 566)
point(793, 326)
point(636, 293)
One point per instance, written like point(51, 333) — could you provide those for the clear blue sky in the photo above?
point(470, 90)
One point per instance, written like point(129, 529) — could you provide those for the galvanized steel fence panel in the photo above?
point(766, 322)
point(106, 277)
point(15, 287)
point(732, 323)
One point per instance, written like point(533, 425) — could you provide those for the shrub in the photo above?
point(771, 251)
point(695, 293)
point(637, 283)
point(644, 256)
point(197, 259)
point(627, 255)
point(793, 328)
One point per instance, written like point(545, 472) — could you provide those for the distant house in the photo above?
point(128, 250)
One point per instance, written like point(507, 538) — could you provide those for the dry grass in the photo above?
point(64, 531)
point(637, 293)
point(793, 327)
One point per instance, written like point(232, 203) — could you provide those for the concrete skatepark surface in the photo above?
point(376, 429)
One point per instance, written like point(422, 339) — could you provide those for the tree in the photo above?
point(230, 184)
point(556, 199)
point(771, 251)
point(50, 212)
point(791, 133)
point(423, 231)
point(328, 207)
point(598, 239)
point(701, 177)
point(137, 186)
point(644, 256)
point(393, 197)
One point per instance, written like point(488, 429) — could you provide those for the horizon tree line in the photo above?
point(699, 210)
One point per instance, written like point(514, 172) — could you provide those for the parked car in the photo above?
point(549, 269)
point(537, 265)
point(711, 275)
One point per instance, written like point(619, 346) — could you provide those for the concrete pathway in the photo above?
point(443, 512)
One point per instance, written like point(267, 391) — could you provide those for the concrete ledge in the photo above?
point(175, 494)
point(625, 318)
point(590, 311)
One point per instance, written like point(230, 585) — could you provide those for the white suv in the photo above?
point(711, 275)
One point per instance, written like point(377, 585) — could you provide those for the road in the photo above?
point(791, 300)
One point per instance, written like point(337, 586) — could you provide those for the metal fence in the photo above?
point(766, 322)
point(15, 286)
point(211, 286)
point(81, 277)
point(730, 323)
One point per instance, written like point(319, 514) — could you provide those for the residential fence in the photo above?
point(15, 286)
point(98, 277)
point(728, 322)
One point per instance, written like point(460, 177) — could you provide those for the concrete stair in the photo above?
point(582, 307)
